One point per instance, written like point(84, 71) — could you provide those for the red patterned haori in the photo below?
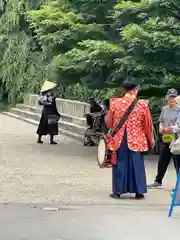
point(138, 126)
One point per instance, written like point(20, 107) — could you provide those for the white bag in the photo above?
point(175, 147)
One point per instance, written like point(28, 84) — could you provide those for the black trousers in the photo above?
point(89, 120)
point(177, 163)
point(164, 160)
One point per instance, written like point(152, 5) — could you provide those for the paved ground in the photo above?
point(66, 176)
point(21, 222)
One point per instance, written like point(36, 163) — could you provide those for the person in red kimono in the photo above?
point(129, 143)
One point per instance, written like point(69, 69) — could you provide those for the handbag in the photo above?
point(53, 119)
point(104, 153)
point(168, 137)
point(175, 146)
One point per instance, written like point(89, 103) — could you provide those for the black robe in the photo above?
point(44, 127)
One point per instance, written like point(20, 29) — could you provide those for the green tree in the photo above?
point(21, 60)
point(74, 34)
point(154, 45)
point(88, 47)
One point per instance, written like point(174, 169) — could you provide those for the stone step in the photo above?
point(70, 134)
point(67, 126)
point(64, 117)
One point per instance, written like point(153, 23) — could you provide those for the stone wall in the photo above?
point(69, 107)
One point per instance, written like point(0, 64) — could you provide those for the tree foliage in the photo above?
point(21, 61)
point(88, 47)
point(154, 44)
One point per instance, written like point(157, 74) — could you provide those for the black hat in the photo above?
point(130, 82)
point(172, 92)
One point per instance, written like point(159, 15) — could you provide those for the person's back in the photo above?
point(136, 125)
point(127, 145)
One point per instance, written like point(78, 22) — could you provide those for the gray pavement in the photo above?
point(25, 222)
point(66, 176)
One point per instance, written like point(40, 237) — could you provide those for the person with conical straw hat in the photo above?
point(47, 86)
point(50, 116)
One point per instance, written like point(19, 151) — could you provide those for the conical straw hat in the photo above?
point(48, 86)
point(178, 100)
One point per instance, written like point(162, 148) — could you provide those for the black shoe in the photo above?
point(116, 196)
point(139, 196)
point(53, 142)
point(39, 141)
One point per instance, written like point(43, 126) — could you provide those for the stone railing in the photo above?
point(68, 107)
point(72, 121)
